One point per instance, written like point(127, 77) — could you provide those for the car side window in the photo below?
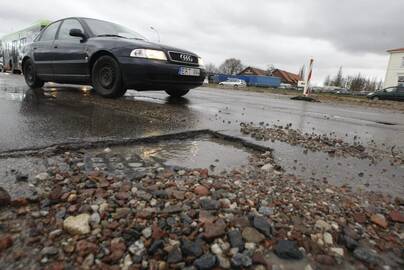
point(67, 25)
point(50, 32)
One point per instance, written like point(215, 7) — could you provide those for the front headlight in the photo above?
point(200, 62)
point(149, 54)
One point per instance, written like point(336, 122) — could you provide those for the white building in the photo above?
point(395, 68)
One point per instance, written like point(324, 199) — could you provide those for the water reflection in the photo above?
point(59, 114)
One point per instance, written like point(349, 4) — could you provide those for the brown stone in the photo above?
point(396, 216)
point(84, 248)
point(117, 249)
point(379, 220)
point(4, 197)
point(55, 266)
point(260, 259)
point(360, 217)
point(201, 190)
point(252, 235)
point(6, 241)
point(122, 196)
point(56, 193)
point(214, 230)
point(157, 233)
point(325, 260)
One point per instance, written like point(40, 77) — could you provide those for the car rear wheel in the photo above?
point(30, 76)
point(177, 93)
point(107, 77)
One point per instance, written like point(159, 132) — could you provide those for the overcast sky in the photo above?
point(354, 34)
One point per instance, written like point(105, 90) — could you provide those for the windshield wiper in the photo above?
point(110, 35)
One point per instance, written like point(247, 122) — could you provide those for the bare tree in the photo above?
point(231, 66)
point(339, 79)
point(211, 68)
point(327, 81)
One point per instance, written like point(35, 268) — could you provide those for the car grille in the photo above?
point(184, 58)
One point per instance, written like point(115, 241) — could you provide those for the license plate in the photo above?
point(184, 71)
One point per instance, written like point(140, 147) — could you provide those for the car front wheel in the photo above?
point(107, 78)
point(177, 93)
point(375, 98)
point(30, 76)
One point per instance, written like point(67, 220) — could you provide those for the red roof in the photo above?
point(254, 71)
point(396, 50)
point(286, 77)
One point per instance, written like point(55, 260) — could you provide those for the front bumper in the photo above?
point(145, 74)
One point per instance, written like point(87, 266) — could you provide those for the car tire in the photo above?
point(177, 92)
point(30, 75)
point(235, 86)
point(376, 98)
point(107, 78)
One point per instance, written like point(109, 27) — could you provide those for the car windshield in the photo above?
point(103, 28)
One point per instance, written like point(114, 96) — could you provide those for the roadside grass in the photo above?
point(323, 97)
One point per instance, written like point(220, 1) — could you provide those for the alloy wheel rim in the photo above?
point(106, 77)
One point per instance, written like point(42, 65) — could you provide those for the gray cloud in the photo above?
point(352, 34)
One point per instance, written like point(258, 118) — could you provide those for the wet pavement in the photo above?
point(59, 114)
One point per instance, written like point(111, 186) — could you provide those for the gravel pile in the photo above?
point(254, 217)
point(324, 143)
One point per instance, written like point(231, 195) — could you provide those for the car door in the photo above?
point(400, 93)
point(71, 60)
point(43, 51)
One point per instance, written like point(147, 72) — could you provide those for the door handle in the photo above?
point(56, 46)
point(35, 48)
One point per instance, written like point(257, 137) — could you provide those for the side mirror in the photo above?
point(78, 33)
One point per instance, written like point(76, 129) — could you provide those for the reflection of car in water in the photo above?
point(110, 57)
point(233, 82)
point(390, 93)
point(12, 46)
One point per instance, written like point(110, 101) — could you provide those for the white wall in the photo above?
point(394, 69)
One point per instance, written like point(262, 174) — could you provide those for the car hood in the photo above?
point(144, 44)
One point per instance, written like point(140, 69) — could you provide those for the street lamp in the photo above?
point(157, 32)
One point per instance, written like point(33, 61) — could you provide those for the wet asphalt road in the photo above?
point(59, 114)
point(73, 113)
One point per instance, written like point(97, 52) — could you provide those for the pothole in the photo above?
point(201, 152)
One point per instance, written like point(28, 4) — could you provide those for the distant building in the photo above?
point(254, 71)
point(285, 76)
point(395, 68)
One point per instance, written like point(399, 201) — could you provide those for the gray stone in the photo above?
point(266, 211)
point(49, 251)
point(241, 260)
point(262, 225)
point(287, 250)
point(236, 239)
point(206, 262)
point(174, 256)
point(191, 248)
point(209, 204)
point(366, 255)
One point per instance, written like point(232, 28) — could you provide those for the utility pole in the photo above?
point(308, 77)
point(157, 32)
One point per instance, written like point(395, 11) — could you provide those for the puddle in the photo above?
point(201, 152)
point(131, 161)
